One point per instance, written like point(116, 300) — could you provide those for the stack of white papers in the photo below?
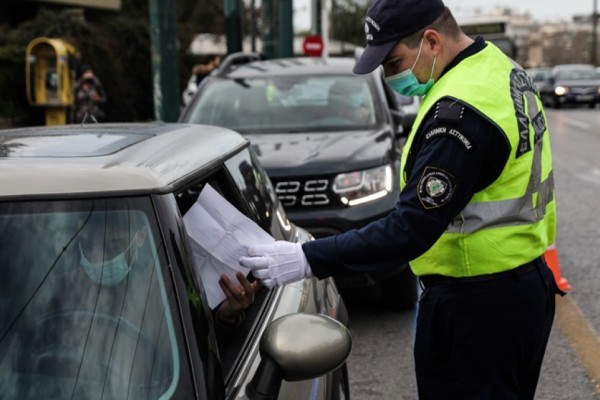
point(219, 235)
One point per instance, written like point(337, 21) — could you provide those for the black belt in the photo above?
point(431, 280)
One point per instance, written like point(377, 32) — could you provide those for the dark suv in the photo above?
point(102, 295)
point(329, 139)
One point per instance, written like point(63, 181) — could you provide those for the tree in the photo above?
point(348, 20)
point(115, 44)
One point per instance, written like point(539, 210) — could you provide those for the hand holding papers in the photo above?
point(219, 235)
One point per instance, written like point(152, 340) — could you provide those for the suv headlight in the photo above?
point(561, 90)
point(363, 186)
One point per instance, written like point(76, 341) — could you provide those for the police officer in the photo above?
point(476, 210)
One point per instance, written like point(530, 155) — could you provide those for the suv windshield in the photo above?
point(288, 104)
point(578, 74)
point(83, 310)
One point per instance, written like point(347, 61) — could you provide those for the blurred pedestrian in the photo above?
point(89, 98)
point(199, 72)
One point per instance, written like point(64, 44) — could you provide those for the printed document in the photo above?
point(219, 235)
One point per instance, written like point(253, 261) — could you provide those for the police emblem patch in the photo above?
point(435, 188)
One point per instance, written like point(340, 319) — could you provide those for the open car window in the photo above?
point(246, 186)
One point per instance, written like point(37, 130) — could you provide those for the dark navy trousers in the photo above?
point(484, 339)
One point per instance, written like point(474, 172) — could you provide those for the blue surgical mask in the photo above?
point(110, 272)
point(107, 273)
point(407, 84)
point(356, 100)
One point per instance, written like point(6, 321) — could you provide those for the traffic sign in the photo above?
point(313, 46)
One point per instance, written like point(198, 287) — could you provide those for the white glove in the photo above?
point(277, 263)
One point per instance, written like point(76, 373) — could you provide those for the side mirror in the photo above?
point(298, 347)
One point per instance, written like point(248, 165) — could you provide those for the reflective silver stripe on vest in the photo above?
point(520, 211)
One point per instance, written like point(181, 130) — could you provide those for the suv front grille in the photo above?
point(584, 90)
point(303, 192)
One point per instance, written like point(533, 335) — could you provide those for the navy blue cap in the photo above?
point(388, 21)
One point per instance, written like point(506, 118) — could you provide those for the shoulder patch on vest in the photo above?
point(449, 111)
point(435, 188)
point(449, 132)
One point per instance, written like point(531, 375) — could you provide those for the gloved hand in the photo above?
point(277, 263)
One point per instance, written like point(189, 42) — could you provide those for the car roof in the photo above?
point(109, 159)
point(562, 67)
point(289, 66)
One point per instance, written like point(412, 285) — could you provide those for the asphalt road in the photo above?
point(381, 364)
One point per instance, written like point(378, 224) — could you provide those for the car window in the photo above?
point(257, 190)
point(538, 74)
point(247, 189)
point(84, 309)
point(288, 104)
point(578, 74)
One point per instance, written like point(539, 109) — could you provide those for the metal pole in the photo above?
point(594, 55)
point(325, 13)
point(233, 25)
point(286, 29)
point(164, 60)
point(253, 25)
point(317, 27)
point(267, 36)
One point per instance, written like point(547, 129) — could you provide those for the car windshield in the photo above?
point(578, 74)
point(83, 310)
point(288, 104)
point(539, 75)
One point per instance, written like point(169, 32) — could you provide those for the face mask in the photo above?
point(356, 100)
point(406, 82)
point(110, 272)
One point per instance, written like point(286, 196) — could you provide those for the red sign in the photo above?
point(313, 46)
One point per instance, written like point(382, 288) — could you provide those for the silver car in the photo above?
point(134, 322)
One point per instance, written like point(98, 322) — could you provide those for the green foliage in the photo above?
point(13, 107)
point(115, 45)
point(348, 20)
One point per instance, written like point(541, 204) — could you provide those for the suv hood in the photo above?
point(290, 154)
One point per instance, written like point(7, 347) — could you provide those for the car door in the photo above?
point(246, 186)
point(308, 296)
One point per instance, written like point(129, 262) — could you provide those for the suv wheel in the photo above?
point(399, 291)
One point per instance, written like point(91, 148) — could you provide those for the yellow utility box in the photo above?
point(50, 78)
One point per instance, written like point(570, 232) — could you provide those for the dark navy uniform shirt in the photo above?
point(456, 153)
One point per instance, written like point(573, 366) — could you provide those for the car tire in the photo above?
point(399, 292)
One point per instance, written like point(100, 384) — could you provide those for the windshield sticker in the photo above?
point(435, 188)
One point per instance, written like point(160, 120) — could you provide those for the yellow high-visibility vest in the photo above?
point(513, 220)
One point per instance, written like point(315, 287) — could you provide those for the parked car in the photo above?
point(329, 139)
point(571, 84)
point(135, 323)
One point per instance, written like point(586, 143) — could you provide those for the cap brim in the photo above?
point(372, 57)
